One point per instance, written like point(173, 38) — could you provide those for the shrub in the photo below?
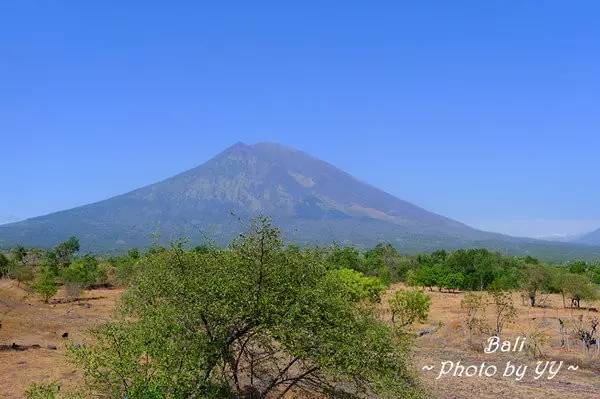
point(474, 305)
point(504, 310)
point(358, 286)
point(45, 284)
point(409, 306)
point(81, 273)
point(42, 391)
point(23, 274)
point(261, 303)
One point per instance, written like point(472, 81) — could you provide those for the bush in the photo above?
point(358, 286)
point(409, 306)
point(280, 309)
point(81, 273)
point(45, 284)
point(124, 267)
point(474, 306)
point(42, 391)
point(504, 310)
point(23, 274)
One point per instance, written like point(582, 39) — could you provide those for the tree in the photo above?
point(504, 309)
point(536, 279)
point(345, 258)
point(474, 306)
point(260, 319)
point(450, 280)
point(358, 286)
point(45, 284)
point(19, 252)
point(81, 273)
point(578, 287)
point(62, 254)
point(408, 307)
point(425, 276)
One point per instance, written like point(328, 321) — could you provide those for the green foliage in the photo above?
point(83, 271)
point(61, 256)
point(504, 310)
point(358, 286)
point(42, 391)
point(23, 274)
point(192, 321)
point(425, 276)
point(4, 265)
point(125, 267)
point(345, 258)
point(19, 252)
point(409, 306)
point(474, 306)
point(577, 267)
point(578, 288)
point(45, 284)
point(536, 278)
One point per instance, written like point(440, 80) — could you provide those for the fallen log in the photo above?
point(77, 299)
point(17, 347)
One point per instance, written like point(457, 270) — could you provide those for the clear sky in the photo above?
point(484, 111)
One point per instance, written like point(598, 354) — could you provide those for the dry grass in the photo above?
point(27, 321)
point(450, 343)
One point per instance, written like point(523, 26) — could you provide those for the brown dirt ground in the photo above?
point(27, 321)
point(450, 343)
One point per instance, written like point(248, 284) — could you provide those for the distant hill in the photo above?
point(313, 202)
point(592, 238)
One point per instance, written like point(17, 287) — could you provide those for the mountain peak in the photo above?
point(311, 200)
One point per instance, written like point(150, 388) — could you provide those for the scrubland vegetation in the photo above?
point(264, 319)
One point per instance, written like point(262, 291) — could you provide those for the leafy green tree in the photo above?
point(536, 279)
point(577, 267)
point(45, 284)
point(448, 279)
point(386, 259)
point(62, 255)
point(18, 253)
point(257, 320)
point(408, 307)
point(81, 273)
point(425, 276)
point(358, 286)
point(578, 287)
point(345, 258)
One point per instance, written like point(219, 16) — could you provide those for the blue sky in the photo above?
point(487, 112)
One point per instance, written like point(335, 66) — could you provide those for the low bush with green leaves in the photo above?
point(45, 284)
point(408, 307)
point(257, 320)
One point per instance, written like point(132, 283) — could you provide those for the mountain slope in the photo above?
point(311, 200)
point(592, 238)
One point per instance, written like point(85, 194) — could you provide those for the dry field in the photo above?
point(27, 321)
